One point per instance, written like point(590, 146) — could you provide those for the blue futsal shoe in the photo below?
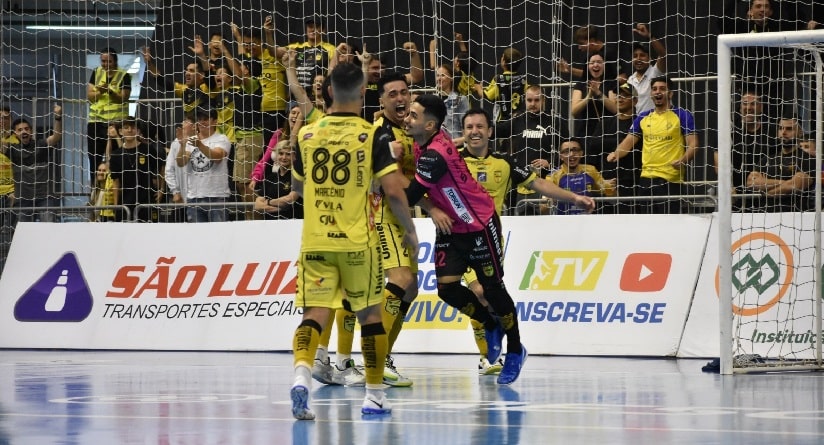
point(494, 339)
point(512, 366)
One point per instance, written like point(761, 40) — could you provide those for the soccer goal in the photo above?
point(769, 274)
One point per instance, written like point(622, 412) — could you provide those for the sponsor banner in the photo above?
point(605, 285)
point(582, 285)
point(773, 289)
point(150, 286)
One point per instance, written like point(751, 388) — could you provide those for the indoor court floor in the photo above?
point(120, 397)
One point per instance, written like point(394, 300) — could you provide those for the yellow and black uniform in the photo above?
point(312, 60)
point(498, 174)
point(192, 97)
point(275, 92)
point(105, 110)
point(506, 90)
point(337, 159)
point(6, 173)
point(389, 228)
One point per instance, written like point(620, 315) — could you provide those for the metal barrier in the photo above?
point(235, 205)
point(64, 211)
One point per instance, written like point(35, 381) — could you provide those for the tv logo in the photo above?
point(61, 294)
point(563, 270)
point(645, 272)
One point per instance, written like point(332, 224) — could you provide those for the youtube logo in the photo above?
point(645, 272)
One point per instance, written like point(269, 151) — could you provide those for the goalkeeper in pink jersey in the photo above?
point(468, 233)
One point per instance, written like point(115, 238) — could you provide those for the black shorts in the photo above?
point(482, 251)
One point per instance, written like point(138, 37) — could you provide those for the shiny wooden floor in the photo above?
point(101, 397)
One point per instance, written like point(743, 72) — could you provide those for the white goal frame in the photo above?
point(725, 112)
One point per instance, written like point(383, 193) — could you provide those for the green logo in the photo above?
point(754, 272)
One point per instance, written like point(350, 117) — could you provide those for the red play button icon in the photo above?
point(645, 272)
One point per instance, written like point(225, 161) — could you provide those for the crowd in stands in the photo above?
point(242, 111)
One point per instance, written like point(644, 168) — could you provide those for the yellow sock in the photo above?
point(373, 345)
point(346, 331)
point(304, 344)
point(394, 331)
point(480, 336)
point(391, 307)
point(327, 333)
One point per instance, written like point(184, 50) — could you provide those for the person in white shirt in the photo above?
point(646, 69)
point(205, 158)
point(176, 180)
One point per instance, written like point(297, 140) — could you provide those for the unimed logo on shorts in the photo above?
point(59, 295)
point(645, 272)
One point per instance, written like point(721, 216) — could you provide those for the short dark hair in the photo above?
point(111, 52)
point(19, 121)
point(346, 79)
point(572, 140)
point(206, 112)
point(665, 79)
point(433, 107)
point(642, 47)
point(481, 111)
point(391, 76)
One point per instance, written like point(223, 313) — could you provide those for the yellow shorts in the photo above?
point(321, 276)
point(394, 253)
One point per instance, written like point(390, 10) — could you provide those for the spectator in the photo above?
point(783, 173)
point(7, 135)
point(528, 138)
point(102, 194)
point(346, 53)
point(176, 177)
point(456, 104)
point(288, 132)
point(752, 135)
point(644, 69)
point(505, 89)
point(272, 81)
point(33, 164)
point(136, 173)
point(581, 179)
point(771, 67)
point(108, 94)
point(374, 68)
point(6, 184)
point(627, 171)
point(314, 56)
point(274, 197)
point(463, 80)
point(593, 100)
point(317, 92)
point(589, 41)
point(193, 91)
point(215, 59)
point(670, 142)
point(205, 160)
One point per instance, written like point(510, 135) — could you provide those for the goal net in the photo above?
point(769, 195)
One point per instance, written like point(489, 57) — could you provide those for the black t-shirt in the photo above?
point(588, 122)
point(528, 137)
point(137, 169)
point(275, 185)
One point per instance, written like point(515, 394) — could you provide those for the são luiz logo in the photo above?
point(762, 272)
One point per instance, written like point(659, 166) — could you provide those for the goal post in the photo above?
point(778, 329)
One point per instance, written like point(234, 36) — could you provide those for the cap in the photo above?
point(627, 89)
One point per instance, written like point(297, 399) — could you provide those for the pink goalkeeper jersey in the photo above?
point(450, 186)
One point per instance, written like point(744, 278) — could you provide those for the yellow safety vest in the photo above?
point(104, 110)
